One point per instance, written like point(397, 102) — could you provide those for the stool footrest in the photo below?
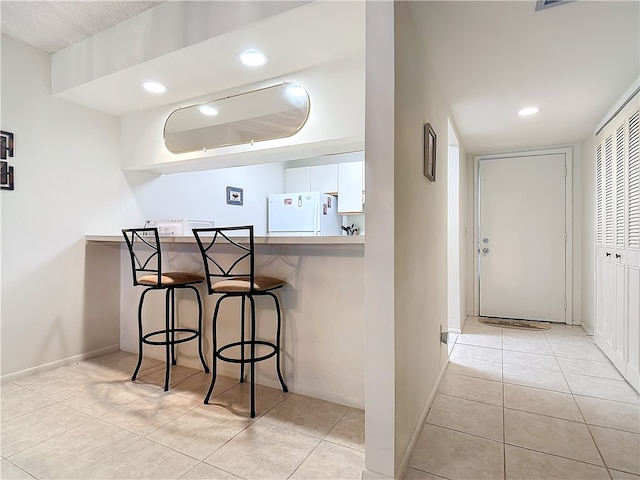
point(274, 350)
point(194, 334)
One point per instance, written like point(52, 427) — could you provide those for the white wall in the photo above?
point(68, 183)
point(576, 234)
point(335, 122)
point(465, 232)
point(202, 195)
point(379, 269)
point(454, 318)
point(457, 252)
point(420, 235)
point(588, 239)
point(406, 248)
point(470, 244)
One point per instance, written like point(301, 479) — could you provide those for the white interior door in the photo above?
point(522, 240)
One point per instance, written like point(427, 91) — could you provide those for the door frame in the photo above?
point(568, 155)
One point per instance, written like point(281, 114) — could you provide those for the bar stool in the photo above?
point(146, 265)
point(229, 271)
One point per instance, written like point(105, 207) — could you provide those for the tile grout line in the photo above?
point(251, 423)
point(17, 466)
point(604, 463)
point(558, 354)
point(89, 467)
point(558, 456)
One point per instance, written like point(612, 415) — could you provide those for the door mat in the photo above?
point(518, 324)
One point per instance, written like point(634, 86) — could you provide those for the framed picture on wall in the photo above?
point(235, 196)
point(429, 152)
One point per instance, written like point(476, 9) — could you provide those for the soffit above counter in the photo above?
point(186, 46)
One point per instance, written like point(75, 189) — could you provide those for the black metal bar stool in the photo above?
point(230, 272)
point(146, 265)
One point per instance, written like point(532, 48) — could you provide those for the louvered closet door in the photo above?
point(610, 304)
point(632, 293)
point(618, 241)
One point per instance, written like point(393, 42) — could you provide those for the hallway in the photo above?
point(521, 404)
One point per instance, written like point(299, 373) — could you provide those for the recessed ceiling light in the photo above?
point(208, 110)
point(253, 58)
point(154, 87)
point(528, 111)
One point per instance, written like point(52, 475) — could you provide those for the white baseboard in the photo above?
point(423, 417)
point(369, 475)
point(10, 377)
point(586, 329)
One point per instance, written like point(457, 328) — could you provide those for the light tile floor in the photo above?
point(513, 404)
point(88, 421)
point(518, 404)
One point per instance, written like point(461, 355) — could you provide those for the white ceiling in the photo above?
point(573, 61)
point(490, 58)
point(67, 22)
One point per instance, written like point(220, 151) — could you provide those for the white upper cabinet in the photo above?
point(344, 178)
point(316, 178)
point(350, 187)
point(324, 178)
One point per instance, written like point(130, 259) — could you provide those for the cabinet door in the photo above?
point(297, 179)
point(324, 178)
point(350, 187)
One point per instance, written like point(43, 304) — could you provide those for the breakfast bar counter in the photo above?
point(267, 240)
point(322, 301)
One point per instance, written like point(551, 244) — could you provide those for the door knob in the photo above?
point(485, 250)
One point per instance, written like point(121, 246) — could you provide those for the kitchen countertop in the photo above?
point(258, 240)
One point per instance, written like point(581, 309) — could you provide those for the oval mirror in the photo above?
point(268, 113)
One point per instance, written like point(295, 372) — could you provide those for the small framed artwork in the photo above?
point(235, 196)
point(6, 176)
point(6, 144)
point(429, 152)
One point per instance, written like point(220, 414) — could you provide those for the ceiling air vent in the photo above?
point(542, 4)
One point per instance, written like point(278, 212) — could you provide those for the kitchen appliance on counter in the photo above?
point(178, 227)
point(303, 214)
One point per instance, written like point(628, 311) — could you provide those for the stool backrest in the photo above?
point(224, 254)
point(144, 250)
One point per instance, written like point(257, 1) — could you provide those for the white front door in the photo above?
point(522, 241)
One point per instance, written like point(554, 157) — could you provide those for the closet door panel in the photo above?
point(633, 183)
point(617, 203)
point(619, 324)
point(633, 326)
point(632, 288)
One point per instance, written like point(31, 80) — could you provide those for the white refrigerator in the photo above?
point(305, 213)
